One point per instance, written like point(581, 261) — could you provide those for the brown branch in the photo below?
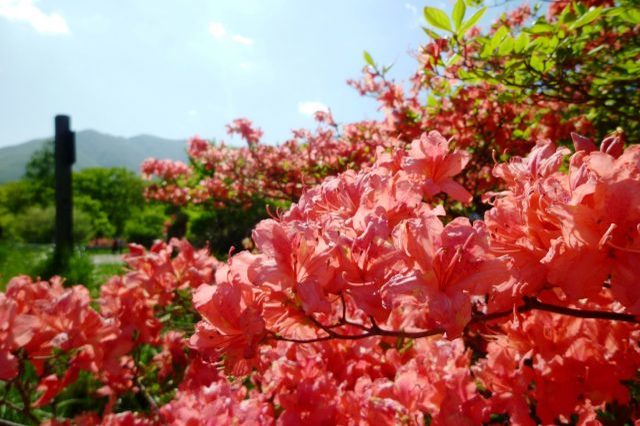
point(11, 405)
point(9, 423)
point(322, 338)
point(24, 394)
point(143, 389)
point(530, 304)
point(533, 303)
point(152, 402)
point(26, 403)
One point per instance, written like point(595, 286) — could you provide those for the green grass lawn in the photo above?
point(102, 273)
point(20, 259)
point(29, 259)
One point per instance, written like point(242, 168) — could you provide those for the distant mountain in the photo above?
point(94, 149)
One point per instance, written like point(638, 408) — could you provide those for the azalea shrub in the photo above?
point(534, 73)
point(63, 352)
point(573, 58)
point(361, 305)
point(470, 258)
point(219, 175)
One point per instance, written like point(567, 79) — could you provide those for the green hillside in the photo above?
point(94, 149)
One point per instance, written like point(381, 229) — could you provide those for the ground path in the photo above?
point(104, 259)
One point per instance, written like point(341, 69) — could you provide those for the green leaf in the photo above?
point(498, 36)
point(536, 63)
point(588, 17)
point(437, 18)
point(542, 28)
point(521, 43)
point(458, 13)
point(597, 49)
point(486, 50)
point(434, 35)
point(454, 60)
point(553, 43)
point(631, 15)
point(543, 45)
point(506, 46)
point(471, 22)
point(368, 59)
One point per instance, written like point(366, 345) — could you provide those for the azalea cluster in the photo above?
point(541, 293)
point(481, 116)
point(221, 175)
point(362, 305)
point(51, 335)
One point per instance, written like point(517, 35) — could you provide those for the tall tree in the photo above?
point(40, 174)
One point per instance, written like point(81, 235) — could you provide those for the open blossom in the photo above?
point(15, 332)
point(435, 166)
point(197, 147)
point(244, 128)
point(231, 311)
point(544, 352)
point(45, 318)
point(572, 230)
point(164, 169)
point(450, 265)
point(219, 403)
point(601, 233)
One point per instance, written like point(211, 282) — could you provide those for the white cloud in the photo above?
point(311, 107)
point(242, 40)
point(192, 112)
point(416, 17)
point(27, 11)
point(412, 8)
point(217, 30)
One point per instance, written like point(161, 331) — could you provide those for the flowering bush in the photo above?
point(220, 176)
point(53, 338)
point(369, 300)
point(527, 77)
point(361, 306)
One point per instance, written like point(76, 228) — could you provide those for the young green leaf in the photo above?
point(521, 43)
point(506, 46)
point(542, 28)
point(458, 13)
point(631, 15)
point(588, 17)
point(434, 35)
point(368, 59)
point(471, 22)
point(437, 18)
point(386, 68)
point(453, 60)
point(498, 36)
point(537, 63)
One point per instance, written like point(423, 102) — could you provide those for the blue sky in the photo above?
point(179, 68)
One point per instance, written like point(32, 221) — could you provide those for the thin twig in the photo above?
point(10, 423)
point(530, 304)
point(152, 402)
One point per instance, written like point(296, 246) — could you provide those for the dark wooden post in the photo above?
point(65, 154)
